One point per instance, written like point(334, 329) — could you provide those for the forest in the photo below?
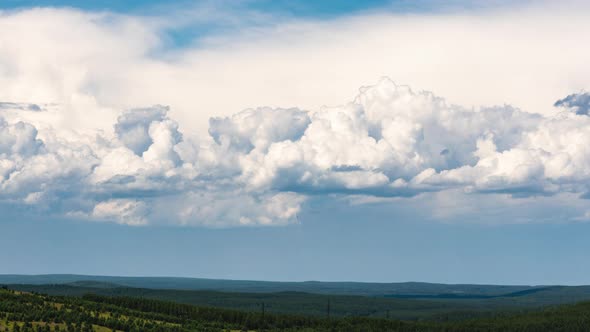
point(32, 312)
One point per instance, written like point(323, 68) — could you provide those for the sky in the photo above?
point(439, 141)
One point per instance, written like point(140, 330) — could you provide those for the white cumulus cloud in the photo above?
point(259, 166)
point(74, 143)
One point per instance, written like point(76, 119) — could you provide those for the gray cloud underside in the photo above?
point(578, 103)
point(258, 166)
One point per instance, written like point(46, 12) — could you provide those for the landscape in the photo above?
point(294, 165)
point(95, 303)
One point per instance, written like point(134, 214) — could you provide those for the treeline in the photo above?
point(27, 312)
point(24, 312)
point(291, 303)
point(560, 318)
point(249, 320)
point(74, 314)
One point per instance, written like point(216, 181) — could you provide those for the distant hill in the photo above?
point(414, 289)
point(409, 300)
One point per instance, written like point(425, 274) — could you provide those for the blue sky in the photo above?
point(188, 33)
point(191, 32)
point(351, 245)
point(193, 139)
point(299, 8)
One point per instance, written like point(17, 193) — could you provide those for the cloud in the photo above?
point(383, 143)
point(145, 174)
point(549, 159)
point(578, 103)
point(73, 142)
point(94, 64)
point(259, 166)
point(20, 106)
point(226, 208)
point(258, 128)
point(19, 139)
point(132, 128)
point(124, 211)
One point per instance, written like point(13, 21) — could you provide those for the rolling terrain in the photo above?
point(433, 306)
point(405, 301)
point(29, 312)
point(340, 288)
point(319, 287)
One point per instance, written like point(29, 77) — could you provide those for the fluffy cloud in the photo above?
point(259, 166)
point(548, 159)
point(383, 143)
point(96, 63)
point(31, 168)
point(145, 173)
point(133, 127)
point(258, 128)
point(67, 148)
point(19, 139)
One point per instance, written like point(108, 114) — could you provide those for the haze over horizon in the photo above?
point(392, 141)
point(24, 279)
